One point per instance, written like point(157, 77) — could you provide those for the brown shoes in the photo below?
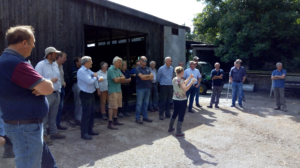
point(111, 126)
point(116, 122)
point(57, 136)
point(47, 140)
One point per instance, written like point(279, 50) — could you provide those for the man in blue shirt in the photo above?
point(237, 77)
point(132, 71)
point(194, 88)
point(164, 77)
point(143, 86)
point(199, 67)
point(243, 95)
point(133, 76)
point(217, 82)
point(86, 79)
point(278, 77)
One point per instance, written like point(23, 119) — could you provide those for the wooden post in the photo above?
point(110, 39)
point(127, 50)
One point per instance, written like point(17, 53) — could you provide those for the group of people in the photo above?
point(32, 99)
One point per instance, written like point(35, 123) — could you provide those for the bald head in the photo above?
point(143, 61)
point(168, 61)
point(217, 65)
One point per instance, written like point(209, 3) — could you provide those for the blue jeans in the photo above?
point(237, 89)
point(192, 91)
point(61, 105)
point(27, 143)
point(2, 131)
point(142, 100)
point(197, 95)
point(48, 160)
point(153, 100)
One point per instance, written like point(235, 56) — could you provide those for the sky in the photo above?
point(177, 11)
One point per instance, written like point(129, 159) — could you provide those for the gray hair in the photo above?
point(152, 62)
point(116, 59)
point(196, 58)
point(278, 63)
point(85, 59)
point(168, 58)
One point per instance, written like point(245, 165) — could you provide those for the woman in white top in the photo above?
point(102, 88)
point(180, 86)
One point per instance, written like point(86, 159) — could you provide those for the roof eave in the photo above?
point(137, 13)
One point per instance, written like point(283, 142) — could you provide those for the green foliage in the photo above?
point(257, 30)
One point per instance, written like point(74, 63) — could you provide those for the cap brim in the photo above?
point(52, 52)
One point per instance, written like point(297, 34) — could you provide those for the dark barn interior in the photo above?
point(103, 44)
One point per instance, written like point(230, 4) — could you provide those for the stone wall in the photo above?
point(262, 82)
point(174, 45)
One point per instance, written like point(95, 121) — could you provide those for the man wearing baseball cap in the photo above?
point(237, 77)
point(48, 68)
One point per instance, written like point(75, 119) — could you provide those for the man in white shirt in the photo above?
point(48, 68)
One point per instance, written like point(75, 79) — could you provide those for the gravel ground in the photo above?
point(256, 136)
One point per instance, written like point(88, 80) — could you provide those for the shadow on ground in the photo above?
point(192, 152)
point(75, 152)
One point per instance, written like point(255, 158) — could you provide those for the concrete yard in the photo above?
point(256, 136)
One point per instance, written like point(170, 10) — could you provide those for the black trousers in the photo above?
point(126, 93)
point(88, 112)
point(165, 99)
point(179, 109)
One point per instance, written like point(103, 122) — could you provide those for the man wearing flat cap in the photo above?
point(48, 69)
point(237, 77)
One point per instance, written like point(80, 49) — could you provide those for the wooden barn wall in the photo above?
point(60, 23)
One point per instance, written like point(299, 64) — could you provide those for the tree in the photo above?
point(259, 30)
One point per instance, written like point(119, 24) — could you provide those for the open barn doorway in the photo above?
point(103, 44)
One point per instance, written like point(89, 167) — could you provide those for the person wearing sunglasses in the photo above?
point(237, 77)
point(143, 87)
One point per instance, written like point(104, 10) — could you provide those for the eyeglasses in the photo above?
point(238, 63)
point(144, 60)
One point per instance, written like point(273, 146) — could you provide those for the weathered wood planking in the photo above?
point(60, 23)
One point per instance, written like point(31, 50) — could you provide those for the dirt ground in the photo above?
point(256, 136)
